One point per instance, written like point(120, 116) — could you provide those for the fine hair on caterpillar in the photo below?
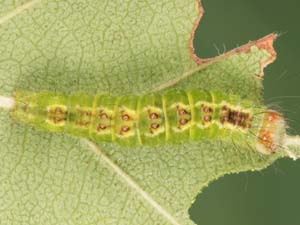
point(287, 104)
point(171, 117)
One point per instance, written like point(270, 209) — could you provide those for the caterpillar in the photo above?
point(173, 117)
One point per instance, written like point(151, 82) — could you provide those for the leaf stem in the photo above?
point(292, 146)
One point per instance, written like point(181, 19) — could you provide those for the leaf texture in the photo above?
point(117, 47)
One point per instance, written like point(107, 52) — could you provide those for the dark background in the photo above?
point(271, 196)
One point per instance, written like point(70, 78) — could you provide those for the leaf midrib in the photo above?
point(130, 182)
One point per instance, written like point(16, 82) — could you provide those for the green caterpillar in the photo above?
point(174, 117)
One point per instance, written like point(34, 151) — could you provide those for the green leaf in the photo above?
point(118, 47)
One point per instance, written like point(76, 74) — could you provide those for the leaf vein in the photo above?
point(130, 182)
point(18, 10)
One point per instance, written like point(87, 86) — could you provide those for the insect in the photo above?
point(174, 117)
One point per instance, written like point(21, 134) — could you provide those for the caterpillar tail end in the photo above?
point(271, 133)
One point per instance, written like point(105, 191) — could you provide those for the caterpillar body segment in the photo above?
point(152, 123)
point(174, 117)
point(103, 122)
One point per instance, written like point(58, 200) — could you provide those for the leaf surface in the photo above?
point(117, 47)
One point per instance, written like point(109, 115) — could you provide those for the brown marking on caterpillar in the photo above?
point(103, 115)
point(272, 117)
point(182, 111)
point(207, 114)
point(101, 127)
point(206, 119)
point(154, 125)
point(235, 117)
point(153, 116)
point(56, 115)
point(183, 116)
point(207, 109)
point(124, 129)
point(125, 117)
point(224, 117)
point(85, 118)
point(269, 135)
point(265, 139)
point(183, 121)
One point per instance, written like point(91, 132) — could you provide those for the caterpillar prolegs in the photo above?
point(174, 117)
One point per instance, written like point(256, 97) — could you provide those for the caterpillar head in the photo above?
point(271, 133)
